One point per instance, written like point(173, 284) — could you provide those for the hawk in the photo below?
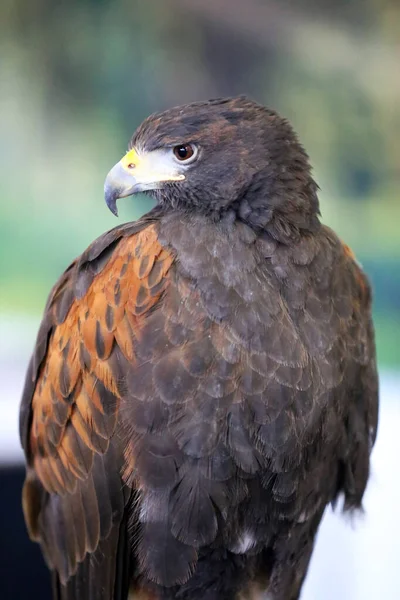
point(204, 379)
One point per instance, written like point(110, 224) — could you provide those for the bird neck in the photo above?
point(209, 251)
point(284, 209)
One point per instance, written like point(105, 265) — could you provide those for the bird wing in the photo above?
point(74, 498)
point(328, 298)
point(363, 400)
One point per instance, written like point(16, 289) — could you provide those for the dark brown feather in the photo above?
point(204, 380)
point(70, 408)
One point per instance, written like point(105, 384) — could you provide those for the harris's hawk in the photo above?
point(204, 379)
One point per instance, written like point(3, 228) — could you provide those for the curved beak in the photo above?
point(138, 172)
point(119, 183)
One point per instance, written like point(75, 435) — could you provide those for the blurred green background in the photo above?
point(77, 78)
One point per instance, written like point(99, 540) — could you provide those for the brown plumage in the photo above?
point(204, 379)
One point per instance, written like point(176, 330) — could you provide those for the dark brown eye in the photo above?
point(184, 151)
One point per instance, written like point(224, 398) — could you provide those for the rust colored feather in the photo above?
point(125, 338)
point(76, 397)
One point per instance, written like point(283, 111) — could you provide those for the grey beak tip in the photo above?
point(111, 197)
point(118, 184)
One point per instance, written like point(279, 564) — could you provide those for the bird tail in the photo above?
point(102, 575)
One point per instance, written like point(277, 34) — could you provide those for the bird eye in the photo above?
point(184, 152)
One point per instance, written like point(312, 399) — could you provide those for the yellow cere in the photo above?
point(151, 167)
point(130, 158)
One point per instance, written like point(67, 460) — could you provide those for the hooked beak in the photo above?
point(136, 173)
point(119, 184)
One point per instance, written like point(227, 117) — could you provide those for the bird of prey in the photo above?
point(204, 379)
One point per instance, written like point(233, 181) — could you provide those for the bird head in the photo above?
point(215, 156)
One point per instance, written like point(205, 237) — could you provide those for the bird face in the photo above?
point(209, 156)
point(141, 170)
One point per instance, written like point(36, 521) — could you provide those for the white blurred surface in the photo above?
point(355, 560)
point(358, 560)
point(17, 337)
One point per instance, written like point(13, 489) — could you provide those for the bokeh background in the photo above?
point(77, 77)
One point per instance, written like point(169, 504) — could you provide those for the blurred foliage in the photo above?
point(78, 77)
